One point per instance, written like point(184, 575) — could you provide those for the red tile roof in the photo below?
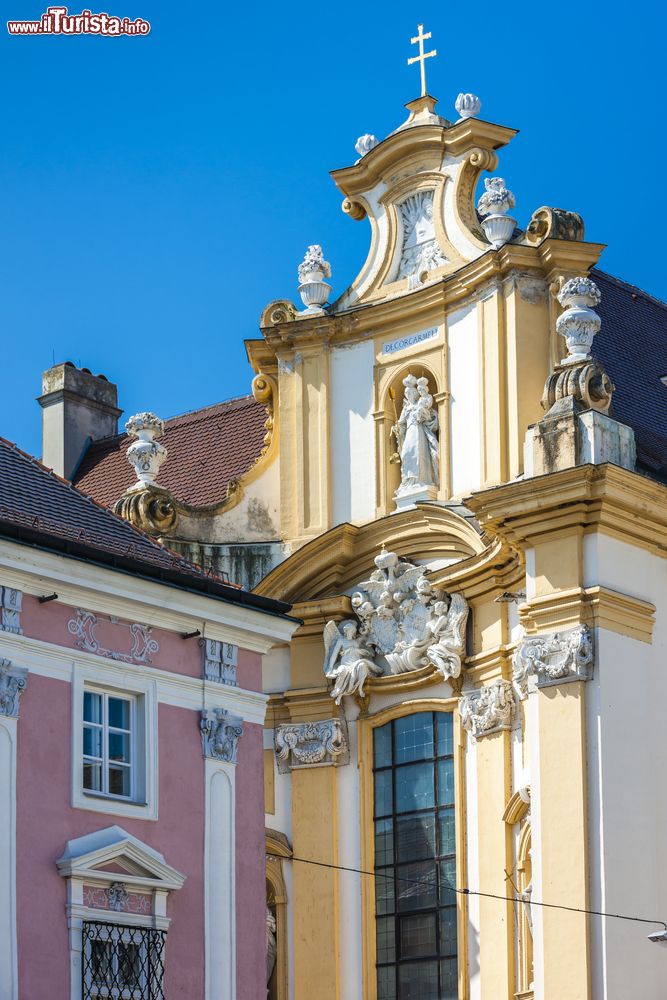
point(37, 507)
point(206, 449)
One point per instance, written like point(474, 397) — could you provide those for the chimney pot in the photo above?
point(77, 408)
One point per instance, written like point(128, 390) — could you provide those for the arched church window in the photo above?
point(415, 858)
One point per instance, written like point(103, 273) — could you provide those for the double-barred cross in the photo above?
point(423, 56)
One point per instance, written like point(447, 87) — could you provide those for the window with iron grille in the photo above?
point(122, 962)
point(415, 858)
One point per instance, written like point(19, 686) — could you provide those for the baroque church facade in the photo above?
point(451, 476)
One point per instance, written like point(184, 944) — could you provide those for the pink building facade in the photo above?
point(131, 773)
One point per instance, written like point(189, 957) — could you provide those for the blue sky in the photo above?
point(159, 191)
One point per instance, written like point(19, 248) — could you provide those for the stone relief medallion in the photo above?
point(403, 624)
point(420, 250)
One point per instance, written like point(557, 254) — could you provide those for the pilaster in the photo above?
point(220, 733)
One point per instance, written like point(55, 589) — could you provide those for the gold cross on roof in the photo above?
point(423, 56)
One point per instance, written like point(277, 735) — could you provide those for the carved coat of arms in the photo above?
point(403, 623)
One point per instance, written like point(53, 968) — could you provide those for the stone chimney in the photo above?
point(77, 408)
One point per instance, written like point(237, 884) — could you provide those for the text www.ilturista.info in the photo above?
point(56, 21)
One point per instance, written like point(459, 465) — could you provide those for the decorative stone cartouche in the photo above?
point(494, 205)
point(313, 289)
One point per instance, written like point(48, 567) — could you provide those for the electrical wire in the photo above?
point(471, 892)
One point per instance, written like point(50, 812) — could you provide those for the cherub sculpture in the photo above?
point(347, 661)
point(440, 642)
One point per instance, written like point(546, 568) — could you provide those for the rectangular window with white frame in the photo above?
point(114, 743)
point(110, 744)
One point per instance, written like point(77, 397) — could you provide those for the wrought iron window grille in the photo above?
point(121, 962)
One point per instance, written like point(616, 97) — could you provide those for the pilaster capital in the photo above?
point(488, 710)
point(310, 744)
point(554, 658)
point(13, 682)
point(220, 734)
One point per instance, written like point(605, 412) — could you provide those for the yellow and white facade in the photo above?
point(555, 797)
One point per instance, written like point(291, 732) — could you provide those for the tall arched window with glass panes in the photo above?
point(415, 858)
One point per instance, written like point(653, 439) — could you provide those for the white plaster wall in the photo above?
point(255, 518)
point(349, 856)
point(627, 790)
point(276, 670)
point(464, 404)
point(352, 433)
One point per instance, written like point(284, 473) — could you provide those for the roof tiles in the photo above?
point(206, 450)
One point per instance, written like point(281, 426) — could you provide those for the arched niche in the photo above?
point(389, 403)
point(524, 884)
point(277, 849)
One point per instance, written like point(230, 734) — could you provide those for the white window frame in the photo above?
point(136, 742)
point(142, 691)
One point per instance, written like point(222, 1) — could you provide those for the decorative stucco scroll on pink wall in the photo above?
point(103, 634)
point(108, 899)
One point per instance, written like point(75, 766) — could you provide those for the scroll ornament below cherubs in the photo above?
point(403, 623)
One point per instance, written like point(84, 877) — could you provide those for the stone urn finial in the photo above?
point(494, 205)
point(147, 506)
point(578, 323)
point(145, 454)
point(365, 143)
point(468, 106)
point(313, 289)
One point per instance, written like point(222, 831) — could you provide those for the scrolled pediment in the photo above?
point(334, 562)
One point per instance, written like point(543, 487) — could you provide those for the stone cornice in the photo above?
point(426, 304)
point(336, 560)
point(597, 607)
point(485, 575)
point(590, 498)
point(98, 589)
point(419, 140)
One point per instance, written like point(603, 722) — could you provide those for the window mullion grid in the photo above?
point(105, 743)
point(439, 810)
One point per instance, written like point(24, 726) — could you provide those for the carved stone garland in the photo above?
point(488, 710)
point(403, 624)
point(311, 744)
point(554, 658)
